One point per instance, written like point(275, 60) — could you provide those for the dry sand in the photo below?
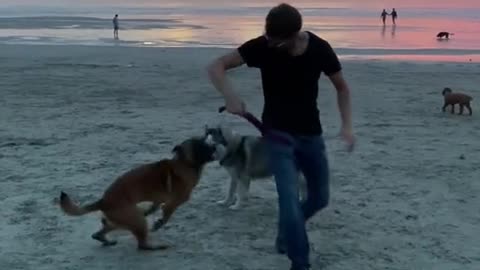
point(74, 118)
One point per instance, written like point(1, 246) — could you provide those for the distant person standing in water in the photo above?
point(394, 15)
point(384, 16)
point(115, 26)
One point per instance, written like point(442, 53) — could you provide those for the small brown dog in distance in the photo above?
point(451, 98)
point(168, 182)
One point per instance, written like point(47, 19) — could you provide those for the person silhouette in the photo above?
point(115, 26)
point(384, 16)
point(394, 15)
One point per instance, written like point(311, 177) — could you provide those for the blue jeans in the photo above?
point(306, 153)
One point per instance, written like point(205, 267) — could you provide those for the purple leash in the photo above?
point(261, 127)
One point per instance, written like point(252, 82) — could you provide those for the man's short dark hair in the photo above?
point(283, 21)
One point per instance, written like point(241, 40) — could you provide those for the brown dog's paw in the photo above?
point(110, 243)
point(153, 247)
point(102, 239)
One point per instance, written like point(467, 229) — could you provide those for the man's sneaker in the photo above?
point(280, 246)
point(300, 267)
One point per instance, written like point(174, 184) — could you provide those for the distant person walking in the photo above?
point(384, 16)
point(394, 15)
point(115, 26)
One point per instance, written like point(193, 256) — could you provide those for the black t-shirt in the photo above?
point(290, 83)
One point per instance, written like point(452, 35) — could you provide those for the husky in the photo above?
point(245, 158)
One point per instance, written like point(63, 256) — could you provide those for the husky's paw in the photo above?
point(224, 202)
point(236, 206)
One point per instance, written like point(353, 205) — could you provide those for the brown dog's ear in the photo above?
point(446, 90)
point(176, 149)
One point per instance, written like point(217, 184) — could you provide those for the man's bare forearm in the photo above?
point(218, 77)
point(344, 106)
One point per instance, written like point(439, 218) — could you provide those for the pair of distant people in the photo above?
point(385, 14)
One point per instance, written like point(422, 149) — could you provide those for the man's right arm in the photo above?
point(249, 53)
point(218, 68)
point(217, 73)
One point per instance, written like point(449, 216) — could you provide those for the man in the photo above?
point(291, 61)
point(115, 26)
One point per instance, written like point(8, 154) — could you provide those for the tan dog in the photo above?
point(168, 182)
point(456, 98)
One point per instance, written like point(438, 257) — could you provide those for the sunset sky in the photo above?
point(213, 3)
point(356, 26)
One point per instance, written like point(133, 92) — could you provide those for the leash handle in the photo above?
point(259, 125)
point(250, 118)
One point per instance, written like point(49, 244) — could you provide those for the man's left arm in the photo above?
point(333, 69)
point(345, 108)
point(343, 99)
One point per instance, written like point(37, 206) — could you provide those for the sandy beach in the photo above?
point(74, 117)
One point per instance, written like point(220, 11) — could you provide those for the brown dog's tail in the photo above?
point(72, 209)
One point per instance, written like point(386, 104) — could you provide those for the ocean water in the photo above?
point(352, 32)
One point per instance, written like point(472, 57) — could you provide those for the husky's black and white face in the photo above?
point(219, 137)
point(215, 135)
